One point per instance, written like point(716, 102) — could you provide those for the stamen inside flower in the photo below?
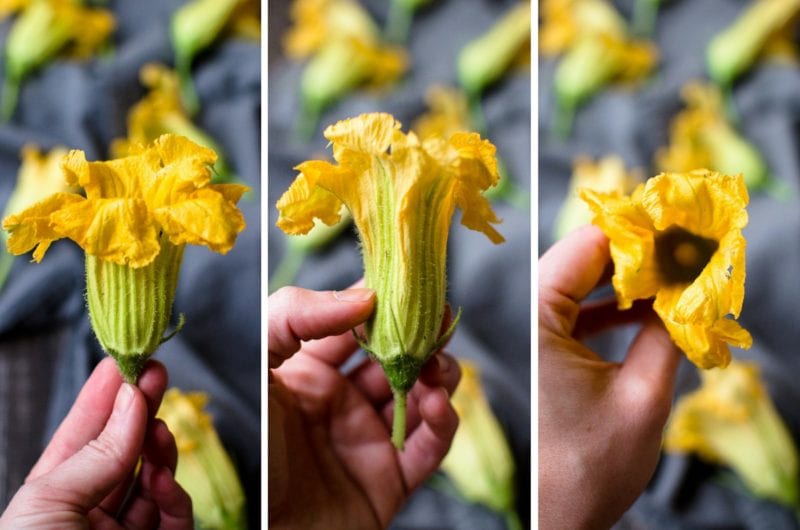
point(681, 255)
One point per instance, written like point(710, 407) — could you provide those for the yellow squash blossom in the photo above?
point(205, 469)
point(564, 22)
point(138, 214)
point(197, 24)
point(607, 175)
point(480, 462)
point(345, 50)
point(730, 420)
point(402, 194)
point(596, 49)
point(731, 52)
point(678, 238)
point(161, 111)
point(701, 136)
point(591, 63)
point(39, 176)
point(44, 29)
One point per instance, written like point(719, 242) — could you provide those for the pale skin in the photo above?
point(331, 460)
point(86, 470)
point(600, 423)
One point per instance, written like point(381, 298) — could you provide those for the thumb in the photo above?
point(299, 314)
point(84, 479)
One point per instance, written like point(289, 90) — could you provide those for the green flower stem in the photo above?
point(191, 102)
point(306, 123)
point(6, 260)
point(476, 116)
point(10, 96)
point(129, 308)
point(645, 13)
point(512, 520)
point(288, 268)
point(563, 120)
point(399, 420)
point(398, 22)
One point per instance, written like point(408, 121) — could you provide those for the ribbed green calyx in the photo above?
point(130, 307)
point(404, 262)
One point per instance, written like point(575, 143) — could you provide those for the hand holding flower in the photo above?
point(600, 422)
point(329, 431)
point(84, 474)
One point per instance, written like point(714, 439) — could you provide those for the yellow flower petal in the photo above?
point(31, 227)
point(116, 230)
point(206, 217)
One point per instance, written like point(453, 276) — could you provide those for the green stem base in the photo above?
point(130, 366)
point(399, 420)
point(9, 98)
point(6, 260)
point(191, 102)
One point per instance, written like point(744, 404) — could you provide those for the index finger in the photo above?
point(92, 408)
point(297, 315)
point(568, 272)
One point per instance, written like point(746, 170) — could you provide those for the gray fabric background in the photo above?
point(685, 492)
point(47, 349)
point(491, 283)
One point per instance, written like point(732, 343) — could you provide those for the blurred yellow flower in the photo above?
point(345, 50)
point(402, 194)
point(701, 136)
point(204, 469)
point(730, 420)
point(596, 49)
point(607, 175)
point(448, 114)
point(678, 237)
point(161, 111)
point(763, 26)
point(39, 176)
point(480, 462)
point(138, 214)
point(564, 22)
point(44, 29)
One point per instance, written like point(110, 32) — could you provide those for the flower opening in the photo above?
point(678, 238)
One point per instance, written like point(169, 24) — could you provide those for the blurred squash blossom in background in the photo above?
point(198, 24)
point(205, 469)
point(480, 463)
point(484, 60)
point(43, 30)
point(402, 194)
point(766, 27)
point(701, 136)
point(161, 111)
point(448, 114)
point(678, 238)
point(39, 176)
point(138, 214)
point(596, 50)
point(607, 175)
point(344, 51)
point(730, 420)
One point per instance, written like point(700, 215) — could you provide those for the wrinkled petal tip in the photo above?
point(75, 167)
